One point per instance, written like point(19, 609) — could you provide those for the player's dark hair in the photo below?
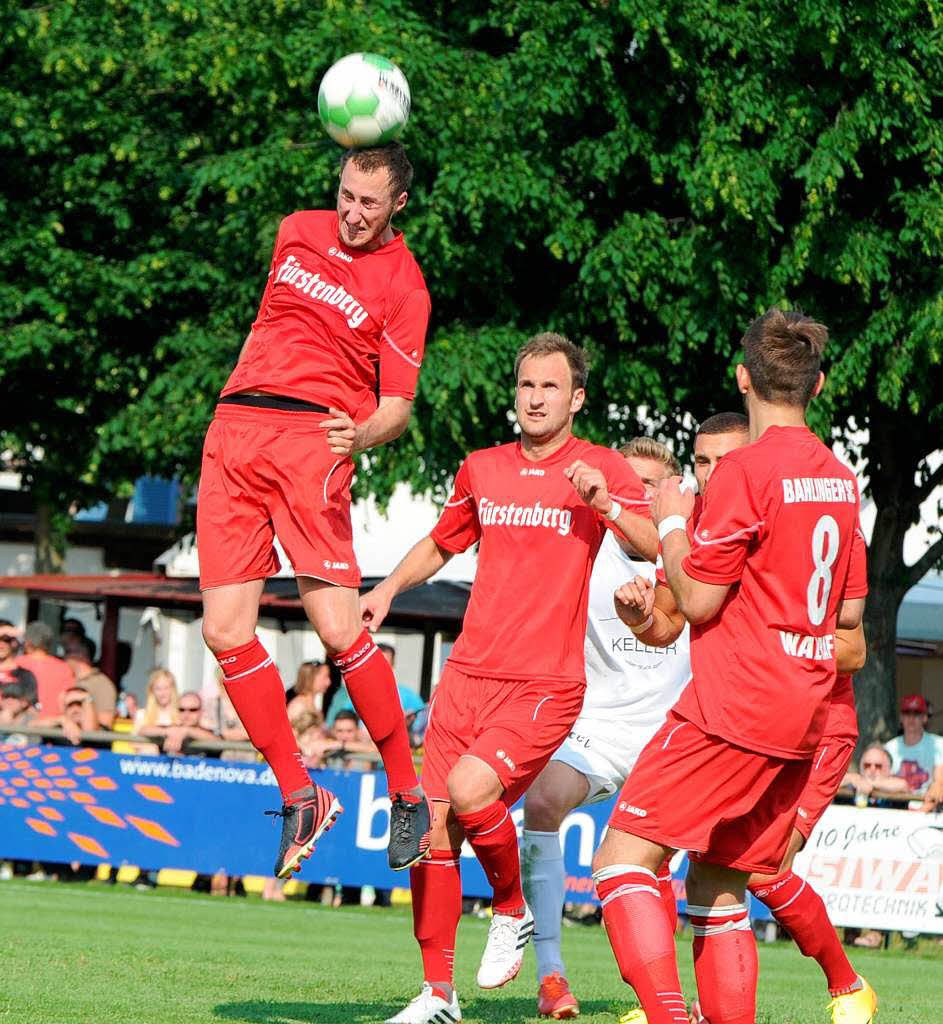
point(724, 423)
point(783, 349)
point(649, 448)
point(391, 156)
point(347, 715)
point(546, 344)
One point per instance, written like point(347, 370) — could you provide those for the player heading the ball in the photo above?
point(343, 318)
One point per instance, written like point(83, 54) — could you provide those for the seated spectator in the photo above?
point(10, 670)
point(160, 711)
point(16, 708)
point(231, 728)
point(127, 705)
point(917, 755)
point(53, 675)
point(875, 773)
point(311, 737)
point(347, 738)
point(313, 679)
point(79, 655)
point(78, 715)
point(189, 727)
point(71, 629)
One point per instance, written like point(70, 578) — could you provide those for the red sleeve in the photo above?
point(729, 524)
point(857, 583)
point(458, 527)
point(263, 305)
point(403, 344)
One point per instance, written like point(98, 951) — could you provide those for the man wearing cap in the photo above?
point(917, 755)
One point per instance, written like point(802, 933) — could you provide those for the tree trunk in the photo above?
point(49, 539)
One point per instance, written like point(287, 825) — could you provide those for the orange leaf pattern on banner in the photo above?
point(19, 782)
point(66, 783)
point(17, 802)
point(88, 844)
point(51, 813)
point(55, 772)
point(42, 783)
point(85, 754)
point(20, 765)
point(106, 816)
point(155, 793)
point(54, 794)
point(50, 758)
point(35, 797)
point(33, 752)
point(43, 827)
point(152, 830)
point(82, 798)
point(31, 773)
point(8, 791)
point(103, 782)
point(83, 770)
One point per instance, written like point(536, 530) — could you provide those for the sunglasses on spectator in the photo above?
point(191, 707)
point(75, 703)
point(10, 638)
point(872, 764)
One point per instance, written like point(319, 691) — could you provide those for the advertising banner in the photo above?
point(59, 804)
point(877, 868)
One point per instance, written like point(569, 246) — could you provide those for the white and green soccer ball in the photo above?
point(363, 100)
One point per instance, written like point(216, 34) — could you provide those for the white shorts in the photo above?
point(605, 752)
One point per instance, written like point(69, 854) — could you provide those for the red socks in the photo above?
point(437, 907)
point(493, 837)
point(725, 963)
point(800, 910)
point(372, 688)
point(256, 691)
point(641, 937)
point(667, 893)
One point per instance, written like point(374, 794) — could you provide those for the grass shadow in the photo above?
point(503, 1009)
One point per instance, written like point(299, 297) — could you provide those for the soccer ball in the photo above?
point(363, 100)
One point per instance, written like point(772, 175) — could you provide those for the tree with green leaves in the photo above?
point(643, 177)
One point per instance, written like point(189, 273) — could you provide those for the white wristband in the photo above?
point(670, 523)
point(613, 514)
point(642, 626)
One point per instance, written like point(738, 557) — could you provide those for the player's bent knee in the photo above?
point(470, 792)
point(219, 638)
point(544, 811)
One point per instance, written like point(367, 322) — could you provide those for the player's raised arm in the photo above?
point(591, 485)
point(697, 600)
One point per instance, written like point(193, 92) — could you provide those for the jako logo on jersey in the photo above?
point(631, 809)
point(227, 661)
point(336, 565)
point(533, 472)
point(291, 272)
point(334, 251)
point(501, 756)
point(492, 514)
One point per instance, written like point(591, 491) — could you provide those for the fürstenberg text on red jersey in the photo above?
point(311, 284)
point(490, 513)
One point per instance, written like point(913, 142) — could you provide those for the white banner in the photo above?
point(877, 868)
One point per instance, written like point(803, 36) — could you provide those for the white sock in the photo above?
point(544, 884)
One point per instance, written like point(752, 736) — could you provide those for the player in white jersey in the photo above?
point(629, 688)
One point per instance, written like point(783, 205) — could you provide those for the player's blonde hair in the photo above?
point(649, 448)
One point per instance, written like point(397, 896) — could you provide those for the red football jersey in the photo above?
point(335, 322)
point(841, 719)
point(526, 618)
point(780, 520)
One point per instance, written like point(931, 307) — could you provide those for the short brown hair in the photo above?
point(392, 156)
point(782, 350)
point(546, 344)
point(724, 423)
point(649, 448)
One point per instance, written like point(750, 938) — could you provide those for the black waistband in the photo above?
point(273, 402)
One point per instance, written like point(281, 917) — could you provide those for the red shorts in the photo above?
point(832, 757)
point(723, 804)
point(268, 472)
point(513, 725)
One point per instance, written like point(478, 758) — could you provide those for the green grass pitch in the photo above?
point(94, 954)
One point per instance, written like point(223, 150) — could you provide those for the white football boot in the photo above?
point(428, 1008)
point(504, 950)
